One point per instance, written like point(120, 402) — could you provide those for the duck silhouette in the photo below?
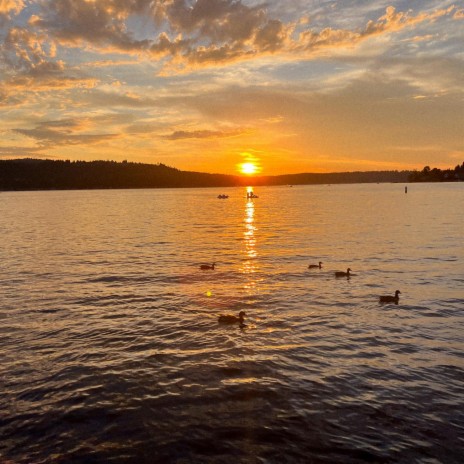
point(343, 274)
point(207, 267)
point(231, 319)
point(390, 298)
point(315, 266)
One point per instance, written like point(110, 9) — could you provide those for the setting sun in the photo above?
point(248, 168)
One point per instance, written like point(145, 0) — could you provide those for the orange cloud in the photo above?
point(273, 37)
point(63, 132)
point(29, 62)
point(99, 24)
point(24, 50)
point(11, 6)
point(193, 34)
point(205, 134)
point(392, 21)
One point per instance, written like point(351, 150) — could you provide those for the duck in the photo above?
point(231, 319)
point(207, 267)
point(390, 298)
point(343, 274)
point(315, 266)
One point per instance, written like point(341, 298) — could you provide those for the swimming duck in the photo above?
point(390, 298)
point(207, 267)
point(343, 274)
point(231, 319)
point(315, 266)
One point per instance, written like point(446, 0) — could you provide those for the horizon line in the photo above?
point(241, 176)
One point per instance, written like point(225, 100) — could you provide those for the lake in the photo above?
point(112, 352)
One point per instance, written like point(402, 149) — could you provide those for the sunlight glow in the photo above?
point(248, 168)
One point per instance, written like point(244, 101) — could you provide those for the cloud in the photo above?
point(429, 75)
point(23, 152)
point(29, 62)
point(188, 34)
point(265, 36)
point(218, 20)
point(271, 37)
point(44, 83)
point(50, 134)
point(212, 32)
point(9, 98)
point(10, 6)
point(392, 21)
point(28, 52)
point(165, 46)
point(114, 99)
point(98, 23)
point(204, 134)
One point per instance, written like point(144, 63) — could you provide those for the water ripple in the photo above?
point(112, 351)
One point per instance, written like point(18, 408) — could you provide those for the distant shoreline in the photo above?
point(36, 174)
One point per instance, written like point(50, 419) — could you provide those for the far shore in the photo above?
point(37, 174)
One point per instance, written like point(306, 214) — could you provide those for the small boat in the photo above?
point(223, 196)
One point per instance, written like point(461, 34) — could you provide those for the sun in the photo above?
point(248, 168)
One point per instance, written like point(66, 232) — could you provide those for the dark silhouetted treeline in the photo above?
point(32, 174)
point(334, 178)
point(438, 175)
point(35, 174)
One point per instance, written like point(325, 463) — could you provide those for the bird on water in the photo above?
point(390, 298)
point(315, 266)
point(207, 267)
point(231, 319)
point(343, 274)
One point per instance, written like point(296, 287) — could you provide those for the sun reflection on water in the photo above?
point(249, 264)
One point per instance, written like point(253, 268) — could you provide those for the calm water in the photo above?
point(111, 351)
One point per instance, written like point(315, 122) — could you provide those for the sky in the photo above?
point(211, 85)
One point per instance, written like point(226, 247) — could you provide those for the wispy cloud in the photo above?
point(392, 21)
point(10, 151)
point(64, 132)
point(205, 134)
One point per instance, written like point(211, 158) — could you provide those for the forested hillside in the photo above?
point(34, 174)
point(438, 175)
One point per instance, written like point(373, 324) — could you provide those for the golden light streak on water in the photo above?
point(249, 266)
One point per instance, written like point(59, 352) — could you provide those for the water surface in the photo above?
point(111, 350)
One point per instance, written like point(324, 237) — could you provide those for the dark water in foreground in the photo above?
point(111, 351)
